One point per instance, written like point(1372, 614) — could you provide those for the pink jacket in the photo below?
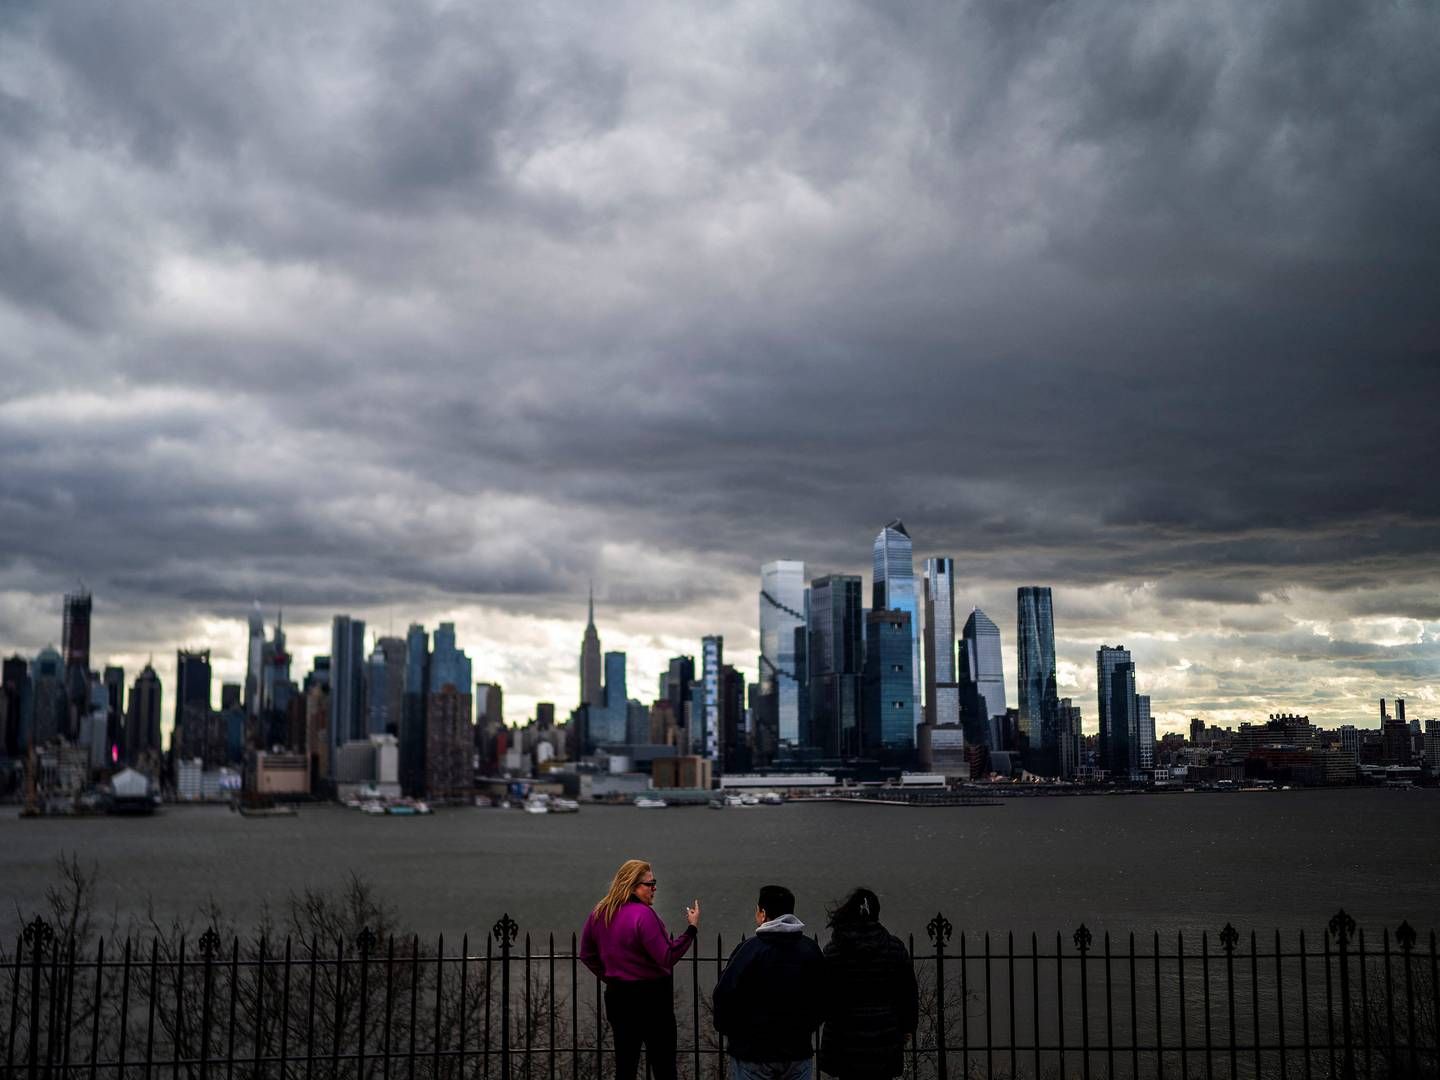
point(634, 947)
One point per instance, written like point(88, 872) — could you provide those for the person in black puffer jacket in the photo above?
point(871, 1001)
point(769, 998)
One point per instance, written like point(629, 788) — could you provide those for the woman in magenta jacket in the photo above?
point(625, 943)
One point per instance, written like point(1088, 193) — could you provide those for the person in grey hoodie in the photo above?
point(770, 998)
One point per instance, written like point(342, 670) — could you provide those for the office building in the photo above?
point(347, 683)
point(48, 714)
point(449, 742)
point(679, 683)
point(893, 589)
point(1069, 740)
point(192, 681)
point(14, 695)
point(888, 704)
point(984, 686)
point(1144, 733)
point(834, 660)
point(385, 687)
point(942, 686)
point(255, 662)
point(712, 659)
point(413, 710)
point(142, 719)
point(1035, 649)
point(1114, 738)
point(592, 691)
point(782, 613)
point(75, 649)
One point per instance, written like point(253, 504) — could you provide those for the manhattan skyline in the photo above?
point(439, 316)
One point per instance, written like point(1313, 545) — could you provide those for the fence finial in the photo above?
point(209, 943)
point(939, 930)
point(506, 930)
point(1228, 937)
point(1405, 936)
point(38, 933)
point(1342, 927)
point(1083, 937)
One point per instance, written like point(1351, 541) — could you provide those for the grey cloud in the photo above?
point(1089, 294)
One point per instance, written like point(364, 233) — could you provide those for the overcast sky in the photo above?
point(433, 311)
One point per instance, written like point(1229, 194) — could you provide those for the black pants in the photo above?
point(642, 1013)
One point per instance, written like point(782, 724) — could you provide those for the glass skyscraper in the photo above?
point(782, 611)
point(712, 659)
point(836, 643)
point(347, 683)
point(1035, 644)
point(1116, 736)
point(942, 687)
point(889, 706)
point(986, 671)
point(893, 588)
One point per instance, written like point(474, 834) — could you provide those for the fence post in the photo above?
point(1342, 926)
point(209, 944)
point(37, 935)
point(1083, 937)
point(939, 929)
point(1405, 936)
point(505, 932)
point(1229, 936)
point(365, 942)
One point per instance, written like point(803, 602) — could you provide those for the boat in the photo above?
point(372, 808)
point(771, 798)
point(734, 800)
point(563, 806)
point(750, 800)
point(537, 804)
point(716, 804)
point(400, 808)
point(645, 802)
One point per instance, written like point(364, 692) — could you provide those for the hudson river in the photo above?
point(1143, 863)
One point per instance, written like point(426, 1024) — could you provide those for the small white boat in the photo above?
point(772, 798)
point(563, 806)
point(750, 800)
point(372, 808)
point(734, 800)
point(537, 804)
point(645, 802)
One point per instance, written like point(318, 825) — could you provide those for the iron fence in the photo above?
point(391, 1007)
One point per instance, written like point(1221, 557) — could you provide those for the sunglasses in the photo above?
point(649, 884)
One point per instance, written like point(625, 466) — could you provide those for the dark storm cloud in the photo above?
point(378, 306)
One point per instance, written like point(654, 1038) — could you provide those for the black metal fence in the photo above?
point(1327, 1005)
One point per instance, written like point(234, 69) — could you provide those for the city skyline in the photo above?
point(1128, 303)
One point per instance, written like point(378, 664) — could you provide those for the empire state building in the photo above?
point(590, 686)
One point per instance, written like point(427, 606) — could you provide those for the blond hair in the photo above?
point(622, 888)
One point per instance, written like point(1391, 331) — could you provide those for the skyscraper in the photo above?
point(1035, 645)
point(782, 612)
point(893, 588)
point(592, 691)
point(347, 683)
point(836, 644)
point(610, 717)
point(1069, 740)
point(192, 681)
point(887, 724)
point(712, 659)
point(942, 687)
point(14, 692)
point(1107, 659)
point(1145, 732)
point(142, 720)
point(449, 741)
point(986, 678)
point(75, 651)
point(1124, 722)
point(413, 710)
point(255, 663)
point(385, 687)
point(114, 679)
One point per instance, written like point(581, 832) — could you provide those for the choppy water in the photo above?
point(1286, 859)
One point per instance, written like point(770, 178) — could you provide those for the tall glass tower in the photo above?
point(782, 612)
point(986, 675)
point(1115, 734)
point(942, 688)
point(833, 659)
point(347, 683)
point(1035, 642)
point(893, 589)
